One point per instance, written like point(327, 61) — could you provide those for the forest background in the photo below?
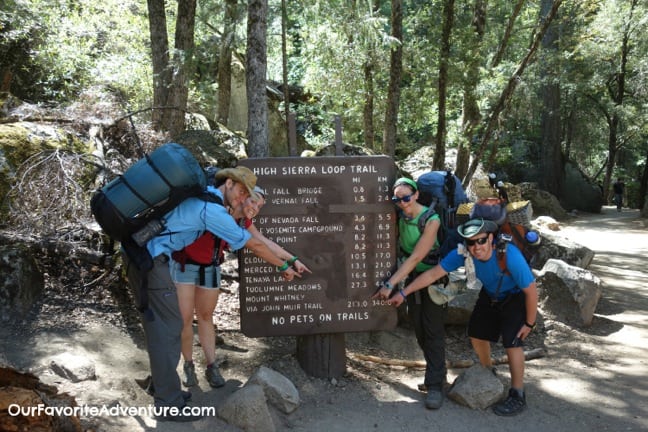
point(523, 86)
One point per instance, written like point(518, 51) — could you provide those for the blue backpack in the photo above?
point(440, 189)
point(148, 190)
point(131, 207)
point(442, 192)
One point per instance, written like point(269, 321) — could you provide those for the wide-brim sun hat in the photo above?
point(241, 174)
point(476, 226)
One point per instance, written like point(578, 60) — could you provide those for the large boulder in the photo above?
point(477, 388)
point(221, 148)
point(18, 142)
point(542, 201)
point(555, 246)
point(568, 294)
point(578, 192)
point(279, 390)
point(248, 410)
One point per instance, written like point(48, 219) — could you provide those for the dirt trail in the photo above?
point(591, 379)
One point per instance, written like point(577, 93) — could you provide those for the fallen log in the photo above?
point(450, 364)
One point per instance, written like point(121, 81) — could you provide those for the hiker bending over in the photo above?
point(198, 286)
point(428, 318)
point(162, 321)
point(506, 307)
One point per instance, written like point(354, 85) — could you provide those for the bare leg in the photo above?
point(206, 301)
point(186, 294)
point(483, 351)
point(516, 367)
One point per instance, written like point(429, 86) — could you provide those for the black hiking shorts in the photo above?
point(490, 320)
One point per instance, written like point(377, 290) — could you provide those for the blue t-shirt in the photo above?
point(489, 273)
point(190, 219)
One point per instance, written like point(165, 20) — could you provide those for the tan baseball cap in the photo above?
point(241, 174)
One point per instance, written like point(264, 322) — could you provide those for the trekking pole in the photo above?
point(140, 147)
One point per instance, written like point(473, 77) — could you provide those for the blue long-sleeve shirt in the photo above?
point(192, 218)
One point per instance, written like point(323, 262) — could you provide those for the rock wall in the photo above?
point(578, 193)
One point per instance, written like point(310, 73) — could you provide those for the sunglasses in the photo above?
point(406, 198)
point(479, 241)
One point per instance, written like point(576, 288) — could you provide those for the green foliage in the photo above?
point(337, 43)
point(56, 49)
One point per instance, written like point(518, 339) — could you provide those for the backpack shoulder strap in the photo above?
point(211, 197)
point(449, 187)
point(427, 214)
point(500, 250)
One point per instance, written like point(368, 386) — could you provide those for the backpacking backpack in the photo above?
point(442, 188)
point(447, 236)
point(131, 207)
point(442, 192)
point(149, 189)
point(524, 238)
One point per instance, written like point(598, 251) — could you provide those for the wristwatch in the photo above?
point(531, 326)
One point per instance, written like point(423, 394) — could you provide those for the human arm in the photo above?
point(260, 249)
point(421, 250)
point(531, 305)
point(423, 280)
point(221, 223)
point(299, 266)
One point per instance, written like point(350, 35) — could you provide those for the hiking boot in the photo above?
point(434, 398)
point(214, 378)
point(183, 414)
point(514, 404)
point(190, 374)
point(186, 396)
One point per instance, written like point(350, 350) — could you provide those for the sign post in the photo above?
point(336, 215)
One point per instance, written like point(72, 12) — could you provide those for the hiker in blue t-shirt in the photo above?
point(506, 307)
point(162, 321)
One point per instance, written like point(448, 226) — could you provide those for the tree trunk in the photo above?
point(395, 71)
point(225, 63)
point(505, 98)
point(160, 57)
point(438, 162)
point(257, 133)
point(497, 58)
point(184, 44)
point(471, 113)
point(367, 115)
point(643, 186)
point(551, 164)
point(291, 144)
point(616, 90)
point(170, 78)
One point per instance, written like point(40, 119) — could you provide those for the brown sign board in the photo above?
point(336, 215)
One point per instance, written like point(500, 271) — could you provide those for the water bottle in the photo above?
point(532, 238)
point(148, 231)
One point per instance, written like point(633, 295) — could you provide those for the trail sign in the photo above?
point(336, 215)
